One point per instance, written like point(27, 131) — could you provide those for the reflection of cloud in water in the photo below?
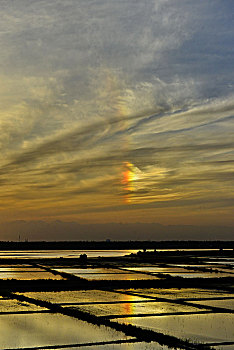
point(199, 328)
point(28, 275)
point(42, 330)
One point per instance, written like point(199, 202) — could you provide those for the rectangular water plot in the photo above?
point(222, 262)
point(226, 303)
point(199, 274)
point(117, 277)
point(82, 296)
point(223, 347)
point(28, 275)
point(13, 305)
point(78, 271)
point(175, 293)
point(203, 328)
point(156, 269)
point(134, 308)
point(20, 269)
point(203, 266)
point(225, 270)
point(124, 346)
point(21, 331)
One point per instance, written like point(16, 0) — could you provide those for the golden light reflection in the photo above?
point(129, 306)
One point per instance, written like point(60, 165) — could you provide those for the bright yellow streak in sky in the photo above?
point(129, 177)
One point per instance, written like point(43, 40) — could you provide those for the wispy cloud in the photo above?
point(88, 87)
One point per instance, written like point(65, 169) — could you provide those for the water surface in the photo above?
point(50, 329)
point(200, 328)
point(28, 275)
point(12, 305)
point(131, 309)
point(62, 253)
point(81, 296)
point(126, 346)
point(183, 293)
point(226, 303)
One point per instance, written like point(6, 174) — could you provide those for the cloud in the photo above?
point(87, 87)
point(164, 169)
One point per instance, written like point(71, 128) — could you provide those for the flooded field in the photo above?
point(198, 275)
point(208, 328)
point(82, 296)
point(116, 302)
point(42, 330)
point(14, 306)
point(130, 308)
point(180, 293)
point(226, 303)
point(26, 272)
point(156, 269)
point(29, 275)
point(124, 346)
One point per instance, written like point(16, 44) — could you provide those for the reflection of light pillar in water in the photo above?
point(128, 180)
point(128, 308)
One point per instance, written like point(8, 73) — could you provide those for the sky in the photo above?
point(117, 111)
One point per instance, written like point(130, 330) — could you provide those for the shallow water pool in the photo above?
point(131, 309)
point(81, 296)
point(200, 328)
point(50, 329)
